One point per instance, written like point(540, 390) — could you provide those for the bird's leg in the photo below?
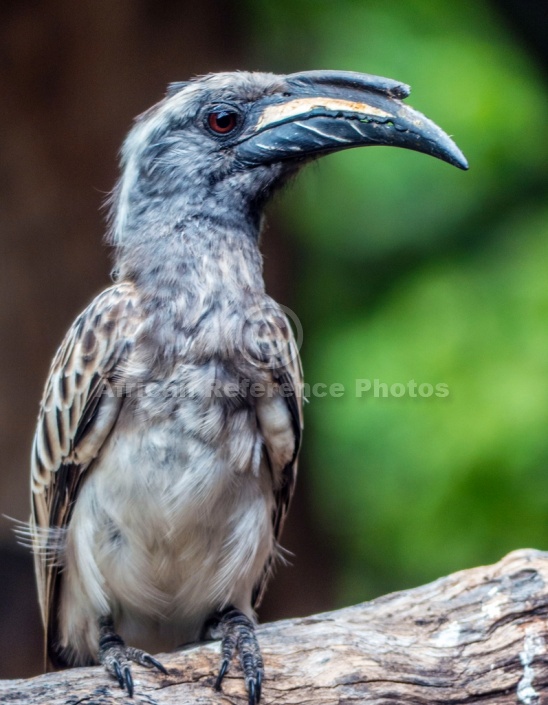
point(238, 633)
point(116, 657)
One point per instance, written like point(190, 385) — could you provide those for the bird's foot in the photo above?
point(116, 657)
point(238, 633)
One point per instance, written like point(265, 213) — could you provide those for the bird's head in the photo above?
point(220, 144)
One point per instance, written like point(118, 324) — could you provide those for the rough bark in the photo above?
point(478, 636)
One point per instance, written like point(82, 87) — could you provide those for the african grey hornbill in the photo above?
point(166, 449)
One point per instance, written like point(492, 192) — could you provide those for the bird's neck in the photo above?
point(192, 282)
point(194, 261)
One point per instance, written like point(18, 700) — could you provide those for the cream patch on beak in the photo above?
point(303, 106)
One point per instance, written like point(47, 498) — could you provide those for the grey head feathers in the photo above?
point(174, 168)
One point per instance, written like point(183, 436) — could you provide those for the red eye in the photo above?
point(222, 121)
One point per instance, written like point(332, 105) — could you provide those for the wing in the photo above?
point(279, 348)
point(77, 413)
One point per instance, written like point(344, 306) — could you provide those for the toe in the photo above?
point(252, 693)
point(128, 680)
point(118, 673)
point(222, 673)
point(150, 662)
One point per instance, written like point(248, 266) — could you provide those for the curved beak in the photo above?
point(327, 111)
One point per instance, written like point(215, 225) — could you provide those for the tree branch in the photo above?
point(478, 636)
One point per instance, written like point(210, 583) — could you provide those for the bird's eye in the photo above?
point(223, 120)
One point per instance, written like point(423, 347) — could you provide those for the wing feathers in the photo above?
point(75, 419)
point(287, 374)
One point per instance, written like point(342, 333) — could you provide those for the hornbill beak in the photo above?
point(327, 111)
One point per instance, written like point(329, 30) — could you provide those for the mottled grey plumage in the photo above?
point(166, 449)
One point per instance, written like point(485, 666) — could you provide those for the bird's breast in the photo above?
point(179, 528)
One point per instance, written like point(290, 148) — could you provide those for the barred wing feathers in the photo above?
point(279, 348)
point(75, 418)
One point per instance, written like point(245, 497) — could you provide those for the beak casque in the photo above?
point(328, 111)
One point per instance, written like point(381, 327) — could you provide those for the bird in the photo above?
point(166, 448)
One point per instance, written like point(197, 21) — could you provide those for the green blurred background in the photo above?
point(399, 267)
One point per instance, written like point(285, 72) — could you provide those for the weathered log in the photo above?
point(478, 636)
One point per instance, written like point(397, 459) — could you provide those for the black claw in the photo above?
point(222, 674)
point(259, 685)
point(151, 662)
point(128, 681)
point(118, 674)
point(252, 695)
